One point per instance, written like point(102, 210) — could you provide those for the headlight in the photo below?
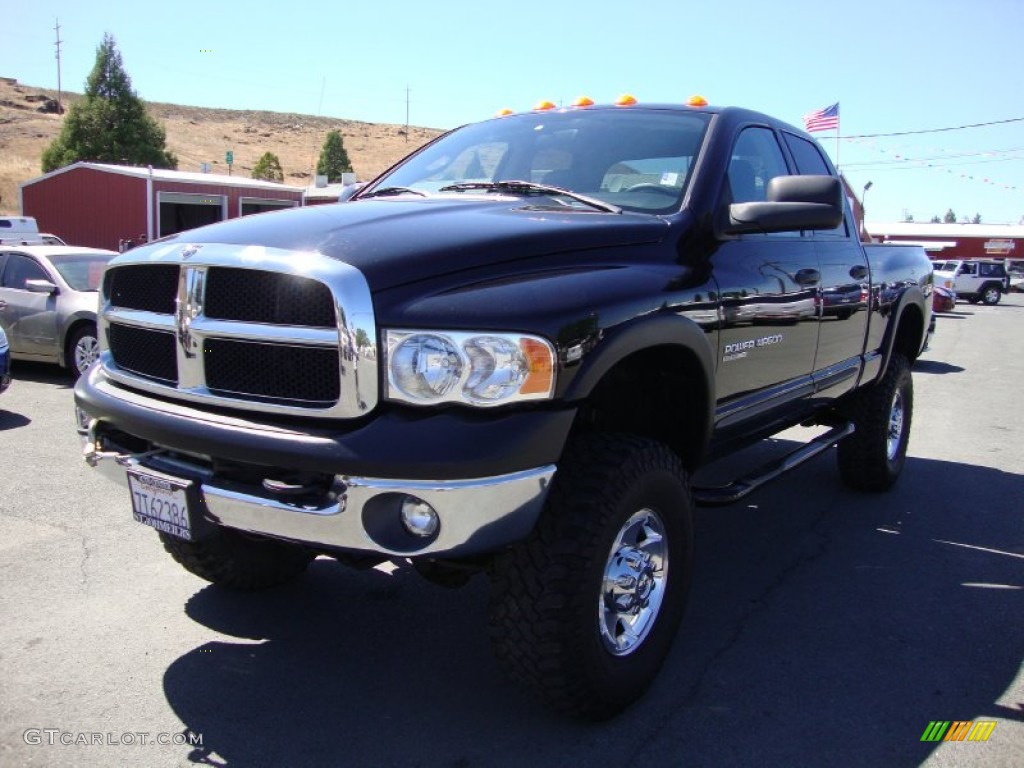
point(482, 369)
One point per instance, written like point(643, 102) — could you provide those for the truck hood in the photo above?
point(397, 241)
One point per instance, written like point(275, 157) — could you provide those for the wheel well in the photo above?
point(70, 334)
point(657, 393)
point(909, 333)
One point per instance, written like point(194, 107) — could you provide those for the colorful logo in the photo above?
point(958, 730)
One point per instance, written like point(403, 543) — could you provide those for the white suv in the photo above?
point(973, 279)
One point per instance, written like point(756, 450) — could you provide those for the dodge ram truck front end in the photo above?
point(244, 383)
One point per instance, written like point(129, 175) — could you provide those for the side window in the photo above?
point(809, 162)
point(756, 160)
point(969, 268)
point(20, 269)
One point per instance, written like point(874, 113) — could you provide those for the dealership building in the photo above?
point(955, 241)
point(114, 206)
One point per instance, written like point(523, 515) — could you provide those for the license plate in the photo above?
point(161, 503)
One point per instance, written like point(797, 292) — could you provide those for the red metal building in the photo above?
point(105, 206)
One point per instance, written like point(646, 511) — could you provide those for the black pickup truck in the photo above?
point(508, 354)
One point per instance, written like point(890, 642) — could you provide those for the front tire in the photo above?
point(235, 560)
point(872, 458)
point(584, 611)
point(83, 349)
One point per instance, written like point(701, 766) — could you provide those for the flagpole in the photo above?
point(839, 122)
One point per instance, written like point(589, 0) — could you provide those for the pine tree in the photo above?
point(950, 217)
point(109, 125)
point(333, 159)
point(268, 168)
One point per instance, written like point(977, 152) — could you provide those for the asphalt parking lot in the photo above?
point(825, 627)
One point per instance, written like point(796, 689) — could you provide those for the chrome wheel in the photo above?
point(584, 611)
point(634, 583)
point(894, 434)
point(87, 349)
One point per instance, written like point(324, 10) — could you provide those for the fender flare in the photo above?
point(664, 330)
point(910, 296)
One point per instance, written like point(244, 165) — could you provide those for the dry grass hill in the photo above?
point(198, 135)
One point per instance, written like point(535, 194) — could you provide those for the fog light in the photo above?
point(419, 518)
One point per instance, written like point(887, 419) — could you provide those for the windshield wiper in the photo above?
point(387, 191)
point(531, 188)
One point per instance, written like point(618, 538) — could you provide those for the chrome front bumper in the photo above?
point(359, 514)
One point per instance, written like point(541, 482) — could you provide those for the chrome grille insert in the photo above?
point(246, 327)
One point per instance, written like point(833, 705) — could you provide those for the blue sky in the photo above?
point(894, 66)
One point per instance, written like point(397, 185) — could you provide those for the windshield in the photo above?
point(82, 271)
point(632, 159)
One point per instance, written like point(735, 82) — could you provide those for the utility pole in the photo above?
point(56, 28)
point(406, 114)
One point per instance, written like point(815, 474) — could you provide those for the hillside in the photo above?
point(198, 135)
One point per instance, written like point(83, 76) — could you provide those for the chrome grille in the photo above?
point(242, 326)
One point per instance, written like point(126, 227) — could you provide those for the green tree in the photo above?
point(950, 217)
point(268, 168)
point(976, 219)
point(936, 220)
point(109, 125)
point(333, 159)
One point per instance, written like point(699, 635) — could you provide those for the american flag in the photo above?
point(822, 119)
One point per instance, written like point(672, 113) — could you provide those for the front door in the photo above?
point(768, 286)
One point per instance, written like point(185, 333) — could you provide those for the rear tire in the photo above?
point(235, 560)
point(872, 458)
point(584, 612)
point(990, 295)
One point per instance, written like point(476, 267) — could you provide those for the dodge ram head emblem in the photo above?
point(189, 251)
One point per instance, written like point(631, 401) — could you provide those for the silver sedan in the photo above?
point(48, 302)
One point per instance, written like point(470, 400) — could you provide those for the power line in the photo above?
point(936, 162)
point(935, 130)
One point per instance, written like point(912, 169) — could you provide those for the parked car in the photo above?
point(1016, 271)
point(5, 362)
point(974, 279)
point(48, 296)
point(943, 299)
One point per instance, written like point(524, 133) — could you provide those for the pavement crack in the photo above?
point(83, 564)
